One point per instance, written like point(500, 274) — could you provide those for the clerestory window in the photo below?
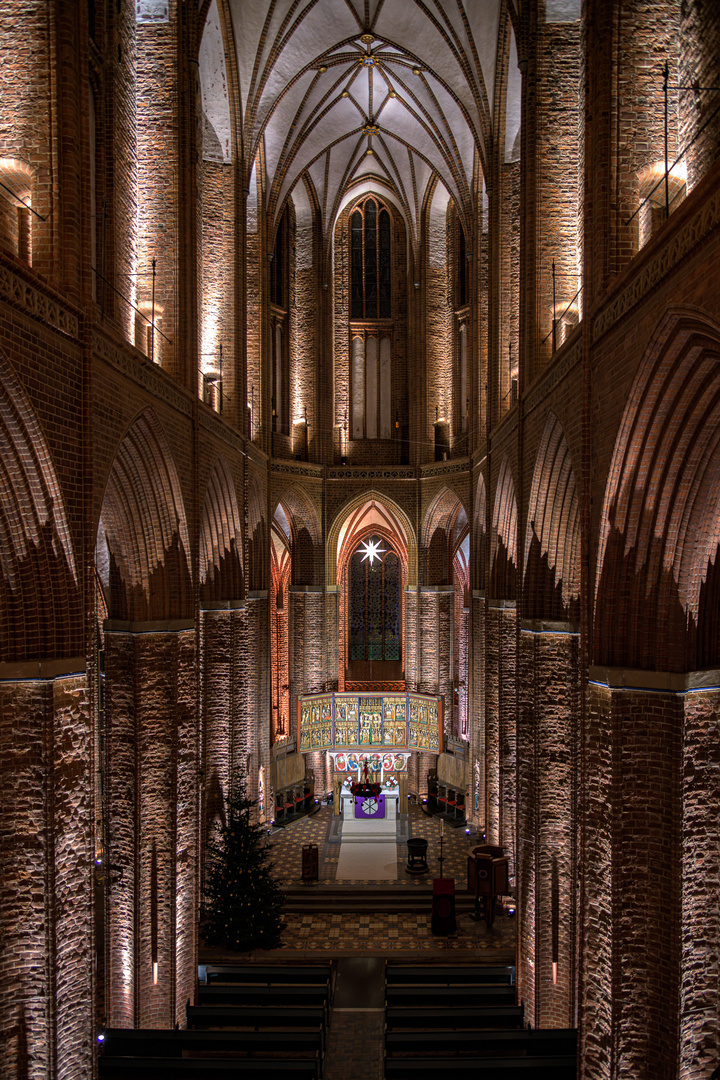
point(370, 261)
point(371, 337)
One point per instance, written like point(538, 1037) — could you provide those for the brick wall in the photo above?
point(46, 1013)
point(699, 989)
point(547, 824)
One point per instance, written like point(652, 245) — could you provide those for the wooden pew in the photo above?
point(457, 975)
point(155, 1068)
point(144, 1042)
point(258, 1017)
point(447, 995)
point(481, 1068)
point(505, 1017)
point(541, 1043)
point(269, 974)
point(238, 994)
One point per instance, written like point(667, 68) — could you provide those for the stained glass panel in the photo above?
point(357, 607)
point(375, 608)
point(371, 291)
point(356, 261)
point(392, 607)
point(384, 265)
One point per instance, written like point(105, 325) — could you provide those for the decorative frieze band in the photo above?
point(444, 468)
point(212, 423)
point(677, 247)
point(553, 377)
point(37, 303)
point(355, 473)
point(307, 469)
point(129, 363)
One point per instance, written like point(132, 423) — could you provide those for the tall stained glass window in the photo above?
point(374, 617)
point(370, 262)
point(370, 335)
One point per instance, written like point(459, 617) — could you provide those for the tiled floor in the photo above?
point(380, 933)
point(352, 938)
point(384, 933)
point(287, 847)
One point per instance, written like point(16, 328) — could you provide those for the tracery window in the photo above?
point(370, 262)
point(371, 345)
point(374, 616)
point(279, 336)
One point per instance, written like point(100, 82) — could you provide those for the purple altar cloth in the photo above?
point(368, 807)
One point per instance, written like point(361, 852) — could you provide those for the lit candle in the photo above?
point(442, 826)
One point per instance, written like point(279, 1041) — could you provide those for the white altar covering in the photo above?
point(368, 828)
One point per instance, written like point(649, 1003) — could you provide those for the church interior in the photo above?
point(360, 420)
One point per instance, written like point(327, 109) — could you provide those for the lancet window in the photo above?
point(371, 340)
point(374, 616)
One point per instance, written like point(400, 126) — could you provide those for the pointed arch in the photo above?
point(258, 556)
point(40, 596)
point(144, 523)
point(503, 556)
point(303, 535)
point(444, 528)
point(480, 534)
point(658, 588)
point(552, 539)
point(221, 571)
point(385, 513)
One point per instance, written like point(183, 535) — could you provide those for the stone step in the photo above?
point(311, 899)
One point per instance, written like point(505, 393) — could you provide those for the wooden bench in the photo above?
point(156, 1068)
point(157, 1043)
point(482, 1068)
point(259, 1018)
point(500, 1017)
point(426, 975)
point(446, 995)
point(269, 974)
point(544, 1043)
point(234, 994)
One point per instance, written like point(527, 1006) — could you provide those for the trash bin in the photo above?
point(417, 855)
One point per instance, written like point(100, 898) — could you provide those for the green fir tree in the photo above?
point(243, 902)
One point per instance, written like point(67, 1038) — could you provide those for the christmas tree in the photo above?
point(243, 901)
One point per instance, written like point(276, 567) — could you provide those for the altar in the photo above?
point(368, 807)
point(371, 812)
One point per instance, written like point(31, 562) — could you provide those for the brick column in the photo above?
point(476, 715)
point(410, 637)
point(500, 725)
point(629, 1014)
point(332, 642)
point(253, 669)
point(224, 752)
point(436, 645)
point(548, 718)
point(307, 670)
point(152, 809)
point(700, 931)
point(46, 870)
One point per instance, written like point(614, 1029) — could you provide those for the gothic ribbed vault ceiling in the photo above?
point(334, 90)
